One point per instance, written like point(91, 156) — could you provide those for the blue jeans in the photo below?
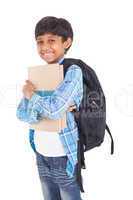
point(55, 183)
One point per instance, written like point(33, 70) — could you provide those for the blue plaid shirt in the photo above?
point(69, 92)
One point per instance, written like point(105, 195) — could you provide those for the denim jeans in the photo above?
point(55, 183)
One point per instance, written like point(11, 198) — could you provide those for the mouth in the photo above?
point(47, 55)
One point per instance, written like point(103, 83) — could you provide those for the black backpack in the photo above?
point(91, 117)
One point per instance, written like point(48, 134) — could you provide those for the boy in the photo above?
point(56, 153)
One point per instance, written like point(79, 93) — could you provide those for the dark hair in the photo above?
point(56, 26)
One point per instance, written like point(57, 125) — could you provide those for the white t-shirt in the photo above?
point(48, 144)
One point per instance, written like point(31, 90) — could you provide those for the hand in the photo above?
point(28, 89)
point(71, 108)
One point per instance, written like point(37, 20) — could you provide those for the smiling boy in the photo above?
point(56, 153)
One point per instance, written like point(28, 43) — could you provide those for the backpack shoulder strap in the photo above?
point(112, 142)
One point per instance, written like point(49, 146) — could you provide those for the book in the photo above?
point(46, 78)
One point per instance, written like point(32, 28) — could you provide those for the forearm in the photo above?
point(52, 107)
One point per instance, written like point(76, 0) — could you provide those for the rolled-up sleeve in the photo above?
point(21, 112)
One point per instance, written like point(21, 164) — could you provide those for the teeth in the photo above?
point(48, 54)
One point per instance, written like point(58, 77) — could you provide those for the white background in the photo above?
point(104, 39)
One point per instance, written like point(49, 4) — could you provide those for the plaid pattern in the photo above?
point(69, 92)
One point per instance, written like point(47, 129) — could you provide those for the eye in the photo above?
point(39, 42)
point(51, 40)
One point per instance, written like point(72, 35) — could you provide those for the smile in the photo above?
point(47, 54)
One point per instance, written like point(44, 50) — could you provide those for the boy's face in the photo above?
point(51, 48)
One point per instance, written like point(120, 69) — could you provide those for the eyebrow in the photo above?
point(50, 36)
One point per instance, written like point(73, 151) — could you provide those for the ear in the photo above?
point(67, 43)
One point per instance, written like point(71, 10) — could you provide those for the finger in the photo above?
point(29, 83)
point(73, 107)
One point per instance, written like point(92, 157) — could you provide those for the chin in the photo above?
point(52, 61)
point(49, 61)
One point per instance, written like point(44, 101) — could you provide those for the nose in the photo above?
point(45, 47)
